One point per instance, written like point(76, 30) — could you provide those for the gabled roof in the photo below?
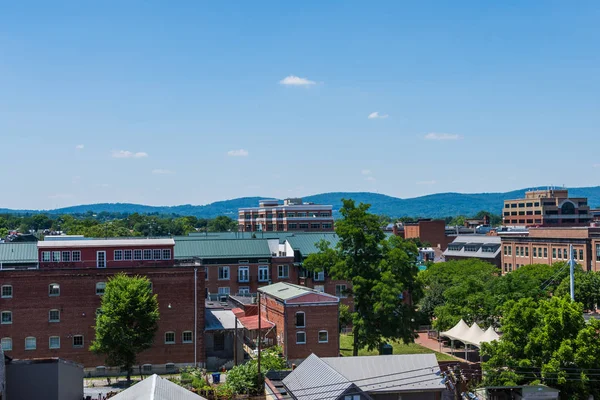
point(219, 320)
point(224, 248)
point(19, 252)
point(290, 293)
point(306, 244)
point(156, 388)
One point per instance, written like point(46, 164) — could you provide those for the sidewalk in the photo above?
point(434, 345)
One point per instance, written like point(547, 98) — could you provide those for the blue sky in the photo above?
point(167, 103)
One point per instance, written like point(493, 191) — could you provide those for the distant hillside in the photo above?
point(435, 205)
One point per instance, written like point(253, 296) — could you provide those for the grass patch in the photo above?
point(399, 348)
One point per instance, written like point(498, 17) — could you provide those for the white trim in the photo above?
point(319, 339)
point(174, 340)
point(297, 342)
point(2, 291)
point(105, 243)
point(98, 258)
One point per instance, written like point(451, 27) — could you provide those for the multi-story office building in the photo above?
point(292, 215)
point(550, 245)
point(551, 207)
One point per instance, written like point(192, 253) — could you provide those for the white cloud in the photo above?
point(159, 171)
point(79, 147)
point(370, 179)
point(432, 182)
point(128, 154)
point(293, 80)
point(375, 115)
point(238, 153)
point(596, 165)
point(366, 172)
point(442, 136)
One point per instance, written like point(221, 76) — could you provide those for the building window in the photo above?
point(315, 226)
point(505, 251)
point(223, 273)
point(545, 252)
point(598, 252)
point(244, 290)
point(66, 256)
point(100, 288)
point(100, 259)
point(54, 316)
point(56, 256)
point(292, 226)
point(127, 255)
point(205, 273)
point(319, 276)
point(147, 254)
point(510, 250)
point(559, 253)
point(243, 274)
point(118, 255)
point(157, 254)
point(54, 289)
point(7, 291)
point(76, 256)
point(54, 342)
point(224, 290)
point(78, 341)
point(340, 291)
point(303, 226)
point(580, 255)
point(30, 343)
point(147, 368)
point(187, 337)
point(263, 273)
point(166, 254)
point(218, 342)
point(283, 271)
point(300, 337)
point(326, 226)
point(535, 252)
point(553, 253)
point(291, 215)
point(170, 367)
point(6, 344)
point(526, 251)
point(45, 256)
point(6, 317)
point(170, 338)
point(323, 337)
point(300, 320)
point(320, 288)
point(137, 255)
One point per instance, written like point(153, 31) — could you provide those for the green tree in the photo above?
point(244, 379)
point(222, 224)
point(127, 322)
point(587, 288)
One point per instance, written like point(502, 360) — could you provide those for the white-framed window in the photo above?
point(323, 337)
point(300, 319)
point(76, 255)
point(244, 290)
point(6, 343)
point(283, 271)
point(137, 255)
point(54, 316)
point(223, 273)
point(320, 288)
point(30, 343)
point(56, 256)
point(170, 367)
point(169, 337)
point(54, 342)
point(100, 288)
point(187, 337)
point(6, 318)
point(118, 255)
point(301, 337)
point(45, 256)
point(340, 291)
point(147, 368)
point(243, 274)
point(78, 341)
point(127, 255)
point(166, 254)
point(224, 290)
point(101, 259)
point(352, 397)
point(53, 289)
point(147, 254)
point(156, 254)
point(66, 256)
point(263, 273)
point(100, 370)
point(319, 276)
point(7, 291)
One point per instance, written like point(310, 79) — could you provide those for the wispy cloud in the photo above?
point(432, 182)
point(293, 80)
point(376, 115)
point(159, 171)
point(442, 136)
point(128, 154)
point(238, 153)
point(370, 179)
point(79, 147)
point(366, 172)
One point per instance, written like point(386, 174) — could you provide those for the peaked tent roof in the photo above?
point(457, 331)
point(489, 335)
point(470, 335)
point(157, 388)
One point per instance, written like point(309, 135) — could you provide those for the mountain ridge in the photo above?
point(431, 205)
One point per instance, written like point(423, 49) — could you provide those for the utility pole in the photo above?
point(235, 343)
point(572, 272)
point(259, 318)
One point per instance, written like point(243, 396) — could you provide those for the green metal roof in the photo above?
point(18, 252)
point(285, 291)
point(224, 248)
point(307, 243)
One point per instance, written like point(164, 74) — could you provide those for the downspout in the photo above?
point(195, 317)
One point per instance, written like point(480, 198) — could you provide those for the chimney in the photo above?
point(395, 229)
point(486, 219)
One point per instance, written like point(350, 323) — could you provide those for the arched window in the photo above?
point(567, 208)
point(54, 289)
point(323, 337)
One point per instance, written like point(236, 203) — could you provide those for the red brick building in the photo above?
point(50, 311)
point(428, 231)
point(306, 321)
point(292, 215)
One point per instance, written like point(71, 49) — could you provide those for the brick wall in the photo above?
point(77, 303)
point(317, 318)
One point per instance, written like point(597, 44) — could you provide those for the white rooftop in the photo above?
point(106, 243)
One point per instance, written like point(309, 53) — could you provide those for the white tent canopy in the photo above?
point(472, 335)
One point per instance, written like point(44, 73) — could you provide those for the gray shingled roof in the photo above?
point(313, 379)
point(156, 388)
